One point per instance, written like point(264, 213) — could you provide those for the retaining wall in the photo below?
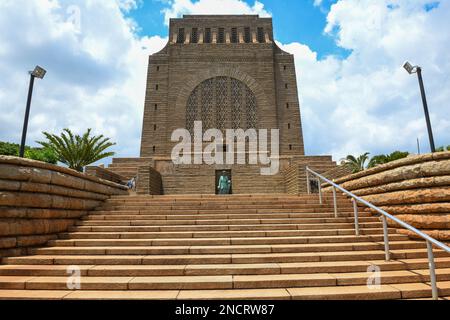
point(416, 189)
point(40, 200)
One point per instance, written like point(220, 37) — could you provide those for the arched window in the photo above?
point(222, 103)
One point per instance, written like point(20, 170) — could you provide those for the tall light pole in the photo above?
point(39, 73)
point(416, 69)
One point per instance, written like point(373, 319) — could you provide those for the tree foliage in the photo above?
point(356, 164)
point(385, 158)
point(362, 162)
point(442, 149)
point(78, 151)
point(40, 154)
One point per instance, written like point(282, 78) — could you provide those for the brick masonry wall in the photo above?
point(148, 181)
point(337, 172)
point(175, 71)
point(128, 167)
point(246, 179)
point(295, 175)
point(291, 178)
point(39, 200)
point(416, 189)
point(180, 67)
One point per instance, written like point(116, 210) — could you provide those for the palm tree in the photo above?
point(78, 151)
point(356, 164)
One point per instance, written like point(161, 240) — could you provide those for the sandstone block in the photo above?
point(25, 199)
point(66, 180)
point(9, 185)
point(37, 240)
point(6, 243)
point(423, 195)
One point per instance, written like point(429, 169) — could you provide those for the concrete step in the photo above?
point(193, 282)
point(102, 241)
point(226, 199)
point(240, 258)
point(384, 292)
point(241, 208)
point(221, 225)
point(261, 204)
point(109, 249)
point(128, 233)
point(221, 269)
point(194, 215)
point(216, 221)
point(393, 291)
point(169, 212)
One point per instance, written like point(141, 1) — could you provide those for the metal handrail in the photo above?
point(429, 240)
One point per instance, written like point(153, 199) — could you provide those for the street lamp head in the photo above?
point(38, 72)
point(410, 68)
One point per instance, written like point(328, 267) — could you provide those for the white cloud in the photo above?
point(367, 102)
point(96, 77)
point(179, 7)
point(317, 3)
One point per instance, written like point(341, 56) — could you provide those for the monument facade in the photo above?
point(225, 72)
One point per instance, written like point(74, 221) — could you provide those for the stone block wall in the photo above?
point(105, 174)
point(175, 71)
point(295, 175)
point(39, 200)
point(292, 181)
point(416, 189)
point(337, 172)
point(148, 181)
point(201, 179)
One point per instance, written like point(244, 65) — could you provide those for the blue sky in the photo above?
point(294, 20)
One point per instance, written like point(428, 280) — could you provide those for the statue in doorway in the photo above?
point(224, 183)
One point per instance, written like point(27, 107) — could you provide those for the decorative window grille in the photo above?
point(250, 108)
point(221, 87)
point(221, 38)
point(236, 103)
point(194, 35)
point(222, 103)
point(180, 37)
point(191, 111)
point(207, 35)
point(247, 37)
point(234, 36)
point(261, 35)
point(207, 106)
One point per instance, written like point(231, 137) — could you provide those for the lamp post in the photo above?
point(416, 69)
point(39, 73)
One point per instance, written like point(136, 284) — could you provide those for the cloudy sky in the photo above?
point(355, 96)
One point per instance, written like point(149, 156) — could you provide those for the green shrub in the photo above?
point(39, 154)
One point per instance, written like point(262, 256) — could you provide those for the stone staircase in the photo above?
point(224, 247)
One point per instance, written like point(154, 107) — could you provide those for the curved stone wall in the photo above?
point(416, 189)
point(39, 200)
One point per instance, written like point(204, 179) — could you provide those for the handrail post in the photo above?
point(386, 238)
point(320, 190)
point(432, 267)
point(335, 202)
point(308, 186)
point(355, 212)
